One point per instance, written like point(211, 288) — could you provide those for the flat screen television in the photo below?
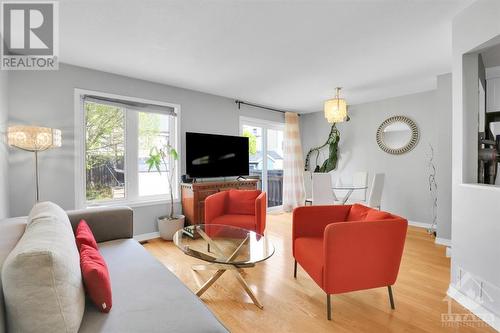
point(209, 155)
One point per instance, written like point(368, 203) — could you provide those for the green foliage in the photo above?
point(252, 142)
point(157, 156)
point(98, 192)
point(333, 144)
point(149, 129)
point(331, 162)
point(105, 133)
point(166, 155)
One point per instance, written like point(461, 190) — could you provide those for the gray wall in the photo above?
point(47, 98)
point(406, 190)
point(443, 154)
point(4, 197)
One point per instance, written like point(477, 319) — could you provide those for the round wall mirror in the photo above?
point(397, 135)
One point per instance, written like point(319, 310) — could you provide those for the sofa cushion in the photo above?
point(240, 221)
point(41, 277)
point(242, 201)
point(11, 231)
point(96, 277)
point(357, 212)
point(84, 235)
point(147, 297)
point(309, 254)
point(376, 215)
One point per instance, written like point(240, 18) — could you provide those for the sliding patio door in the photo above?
point(266, 156)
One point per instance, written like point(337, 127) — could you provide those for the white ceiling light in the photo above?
point(336, 109)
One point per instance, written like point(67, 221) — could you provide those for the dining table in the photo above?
point(349, 188)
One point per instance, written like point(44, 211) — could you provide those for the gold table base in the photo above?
point(235, 269)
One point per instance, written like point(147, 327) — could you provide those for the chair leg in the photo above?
point(295, 269)
point(328, 307)
point(391, 298)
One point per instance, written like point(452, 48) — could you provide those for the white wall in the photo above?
point(476, 208)
point(47, 98)
point(406, 190)
point(4, 177)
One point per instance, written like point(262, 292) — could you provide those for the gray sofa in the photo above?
point(147, 297)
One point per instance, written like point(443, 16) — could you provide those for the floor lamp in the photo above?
point(34, 139)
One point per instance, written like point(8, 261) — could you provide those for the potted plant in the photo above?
point(166, 156)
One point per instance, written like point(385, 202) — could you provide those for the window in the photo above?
point(104, 152)
point(153, 132)
point(266, 156)
point(117, 137)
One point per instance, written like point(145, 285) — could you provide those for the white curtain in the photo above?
point(294, 193)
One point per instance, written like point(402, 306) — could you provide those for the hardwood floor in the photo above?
point(300, 305)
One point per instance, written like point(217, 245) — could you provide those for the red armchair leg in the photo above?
point(328, 307)
point(391, 298)
point(295, 269)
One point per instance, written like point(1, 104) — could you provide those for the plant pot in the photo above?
point(168, 228)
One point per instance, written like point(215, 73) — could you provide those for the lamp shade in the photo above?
point(33, 138)
point(336, 109)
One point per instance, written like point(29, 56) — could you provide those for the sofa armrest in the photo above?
point(215, 205)
point(106, 223)
point(362, 255)
point(260, 213)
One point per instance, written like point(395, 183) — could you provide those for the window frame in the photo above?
point(132, 197)
point(265, 125)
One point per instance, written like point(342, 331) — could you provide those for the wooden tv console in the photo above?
point(193, 196)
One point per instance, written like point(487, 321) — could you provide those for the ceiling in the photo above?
point(287, 54)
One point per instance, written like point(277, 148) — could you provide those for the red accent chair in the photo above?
point(238, 208)
point(348, 248)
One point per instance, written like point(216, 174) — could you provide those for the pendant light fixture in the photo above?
point(336, 109)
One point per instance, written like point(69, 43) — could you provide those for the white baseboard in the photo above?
point(443, 241)
point(484, 314)
point(146, 237)
point(419, 224)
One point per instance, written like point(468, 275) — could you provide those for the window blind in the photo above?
point(121, 103)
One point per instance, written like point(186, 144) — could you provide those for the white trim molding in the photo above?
point(419, 224)
point(147, 236)
point(443, 241)
point(477, 309)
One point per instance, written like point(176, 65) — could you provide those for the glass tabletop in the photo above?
point(223, 244)
point(349, 187)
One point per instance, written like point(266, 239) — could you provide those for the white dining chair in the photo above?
point(375, 197)
point(359, 178)
point(322, 192)
point(308, 186)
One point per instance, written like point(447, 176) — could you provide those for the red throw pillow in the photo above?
point(84, 235)
point(242, 201)
point(357, 213)
point(376, 215)
point(96, 277)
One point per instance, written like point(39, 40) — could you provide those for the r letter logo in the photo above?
point(29, 32)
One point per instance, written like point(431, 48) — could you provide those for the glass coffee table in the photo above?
point(225, 248)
